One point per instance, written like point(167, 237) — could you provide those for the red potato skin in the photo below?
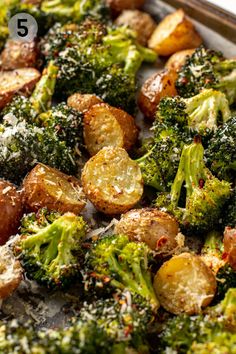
point(230, 246)
point(11, 210)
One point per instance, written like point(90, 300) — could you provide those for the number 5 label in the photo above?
point(23, 27)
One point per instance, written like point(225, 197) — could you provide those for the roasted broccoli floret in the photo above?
point(22, 145)
point(28, 108)
point(124, 318)
point(197, 197)
point(207, 69)
point(202, 113)
point(97, 58)
point(183, 332)
point(213, 255)
point(115, 261)
point(50, 247)
point(229, 213)
point(223, 342)
point(221, 151)
point(66, 122)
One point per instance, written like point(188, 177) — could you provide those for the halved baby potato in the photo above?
point(117, 6)
point(18, 54)
point(11, 210)
point(184, 284)
point(176, 32)
point(112, 181)
point(10, 272)
point(47, 187)
point(177, 60)
point(157, 86)
point(83, 102)
point(17, 81)
point(140, 22)
point(152, 226)
point(108, 126)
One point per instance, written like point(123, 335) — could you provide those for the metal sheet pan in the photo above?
point(53, 309)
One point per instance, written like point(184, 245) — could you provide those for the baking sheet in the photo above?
point(53, 309)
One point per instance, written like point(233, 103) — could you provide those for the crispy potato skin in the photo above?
point(112, 181)
point(10, 272)
point(11, 210)
point(159, 85)
point(177, 60)
point(20, 81)
point(48, 187)
point(176, 32)
point(83, 102)
point(141, 22)
point(184, 284)
point(117, 6)
point(152, 226)
point(230, 246)
point(108, 126)
point(19, 55)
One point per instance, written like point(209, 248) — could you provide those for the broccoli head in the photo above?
point(207, 69)
point(123, 265)
point(202, 114)
point(221, 151)
point(198, 206)
point(229, 213)
point(96, 58)
point(180, 333)
point(50, 247)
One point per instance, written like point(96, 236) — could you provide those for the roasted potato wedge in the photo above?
point(159, 85)
point(83, 102)
point(184, 284)
point(177, 60)
point(176, 32)
point(118, 6)
point(152, 226)
point(230, 246)
point(108, 126)
point(47, 187)
point(18, 54)
point(11, 210)
point(141, 22)
point(10, 272)
point(112, 181)
point(17, 81)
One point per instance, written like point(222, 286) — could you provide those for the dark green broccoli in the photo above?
point(66, 122)
point(50, 247)
point(202, 113)
point(28, 108)
point(183, 332)
point(197, 197)
point(115, 261)
point(213, 255)
point(124, 318)
point(221, 151)
point(229, 213)
point(97, 58)
point(207, 68)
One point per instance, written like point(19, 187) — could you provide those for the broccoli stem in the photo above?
point(42, 95)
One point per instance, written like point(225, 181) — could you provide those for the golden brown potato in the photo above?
point(230, 246)
point(152, 226)
point(118, 6)
point(141, 22)
point(19, 55)
point(108, 126)
point(159, 85)
point(176, 32)
point(177, 60)
point(83, 102)
point(10, 272)
point(17, 81)
point(11, 210)
point(184, 284)
point(48, 187)
point(112, 181)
